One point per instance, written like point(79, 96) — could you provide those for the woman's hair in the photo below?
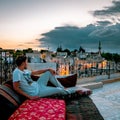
point(20, 60)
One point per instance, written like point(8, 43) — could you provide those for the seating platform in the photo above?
point(75, 105)
point(42, 109)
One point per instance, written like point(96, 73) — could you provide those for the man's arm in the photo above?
point(16, 86)
point(37, 72)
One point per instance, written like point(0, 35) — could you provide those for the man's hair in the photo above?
point(20, 60)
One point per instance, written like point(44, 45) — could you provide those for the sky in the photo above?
point(46, 24)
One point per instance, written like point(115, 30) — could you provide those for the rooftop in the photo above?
point(106, 94)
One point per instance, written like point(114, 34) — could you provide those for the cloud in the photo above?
point(73, 37)
point(20, 45)
point(68, 36)
point(110, 12)
point(103, 23)
point(29, 42)
point(106, 30)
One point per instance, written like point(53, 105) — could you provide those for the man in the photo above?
point(24, 85)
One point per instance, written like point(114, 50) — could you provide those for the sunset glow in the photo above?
point(24, 21)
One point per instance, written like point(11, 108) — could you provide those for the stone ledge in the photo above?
point(110, 80)
point(92, 85)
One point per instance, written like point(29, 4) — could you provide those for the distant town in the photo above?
point(64, 62)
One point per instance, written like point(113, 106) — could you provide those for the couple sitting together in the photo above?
point(24, 85)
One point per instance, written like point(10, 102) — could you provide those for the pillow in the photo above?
point(7, 104)
point(68, 81)
point(35, 78)
point(9, 100)
point(8, 83)
point(6, 108)
point(80, 91)
point(8, 87)
point(42, 109)
point(6, 93)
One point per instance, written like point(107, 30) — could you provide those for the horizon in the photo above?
point(86, 50)
point(43, 24)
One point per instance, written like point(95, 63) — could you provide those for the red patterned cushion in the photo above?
point(42, 109)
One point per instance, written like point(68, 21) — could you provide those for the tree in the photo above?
point(68, 51)
point(81, 49)
point(18, 52)
point(29, 50)
point(116, 58)
point(107, 56)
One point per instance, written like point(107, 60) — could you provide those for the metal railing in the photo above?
point(7, 65)
point(110, 68)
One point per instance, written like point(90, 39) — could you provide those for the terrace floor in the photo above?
point(107, 100)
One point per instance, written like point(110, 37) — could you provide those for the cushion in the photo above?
point(68, 81)
point(80, 91)
point(9, 84)
point(8, 87)
point(9, 100)
point(7, 93)
point(82, 108)
point(6, 108)
point(42, 109)
point(83, 91)
point(7, 104)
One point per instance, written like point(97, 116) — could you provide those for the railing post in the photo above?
point(0, 66)
point(109, 70)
